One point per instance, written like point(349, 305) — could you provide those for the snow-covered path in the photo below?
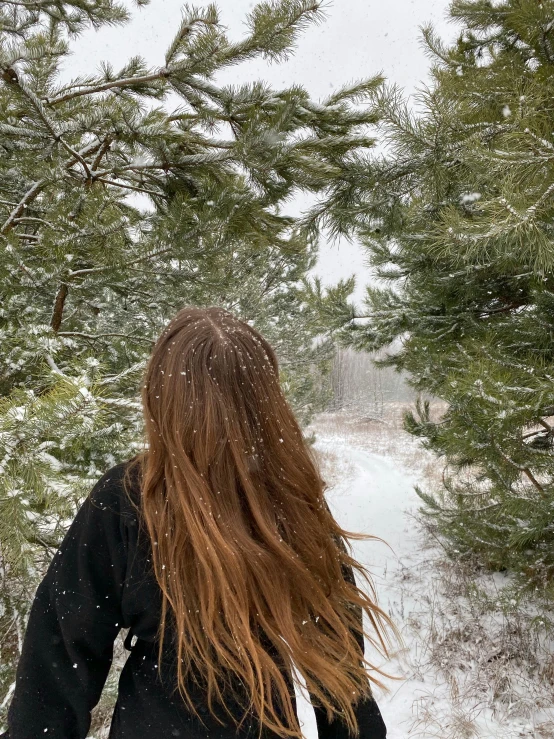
point(474, 664)
point(376, 496)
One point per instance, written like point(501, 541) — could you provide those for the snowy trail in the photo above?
point(376, 496)
point(449, 686)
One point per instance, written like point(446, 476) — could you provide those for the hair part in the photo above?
point(249, 559)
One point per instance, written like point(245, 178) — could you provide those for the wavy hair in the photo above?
point(249, 559)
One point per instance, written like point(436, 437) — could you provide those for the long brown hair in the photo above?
point(245, 547)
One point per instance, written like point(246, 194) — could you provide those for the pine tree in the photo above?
point(457, 217)
point(116, 209)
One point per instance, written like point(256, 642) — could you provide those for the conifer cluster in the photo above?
point(458, 221)
point(125, 195)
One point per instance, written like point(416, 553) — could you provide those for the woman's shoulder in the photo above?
point(115, 492)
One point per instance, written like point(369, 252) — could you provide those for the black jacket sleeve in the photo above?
point(370, 721)
point(74, 619)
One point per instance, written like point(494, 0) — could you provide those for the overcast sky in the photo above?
point(358, 39)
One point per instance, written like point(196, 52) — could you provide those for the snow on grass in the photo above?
point(476, 662)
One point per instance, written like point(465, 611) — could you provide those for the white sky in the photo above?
point(358, 39)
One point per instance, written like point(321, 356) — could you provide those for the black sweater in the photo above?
point(99, 582)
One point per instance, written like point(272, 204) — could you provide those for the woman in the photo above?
point(214, 546)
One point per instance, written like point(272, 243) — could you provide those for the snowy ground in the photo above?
point(460, 679)
point(374, 496)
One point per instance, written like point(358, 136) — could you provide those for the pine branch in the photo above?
point(162, 73)
point(50, 125)
point(97, 337)
point(520, 468)
point(143, 190)
point(190, 159)
point(28, 198)
point(37, 188)
point(102, 151)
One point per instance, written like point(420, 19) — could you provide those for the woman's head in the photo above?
point(244, 546)
point(212, 394)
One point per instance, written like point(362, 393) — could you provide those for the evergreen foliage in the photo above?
point(458, 221)
point(124, 196)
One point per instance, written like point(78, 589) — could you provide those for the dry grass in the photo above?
point(333, 467)
point(383, 435)
point(489, 653)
